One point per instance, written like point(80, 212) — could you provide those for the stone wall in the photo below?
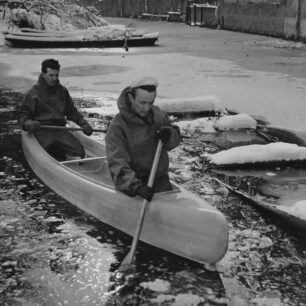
point(134, 8)
point(262, 17)
point(280, 18)
point(302, 26)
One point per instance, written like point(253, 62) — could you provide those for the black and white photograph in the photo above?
point(152, 152)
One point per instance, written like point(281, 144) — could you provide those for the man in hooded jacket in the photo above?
point(49, 103)
point(132, 139)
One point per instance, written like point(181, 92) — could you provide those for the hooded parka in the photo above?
point(131, 143)
point(52, 105)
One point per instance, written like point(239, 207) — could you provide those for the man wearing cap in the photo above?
point(132, 139)
point(49, 103)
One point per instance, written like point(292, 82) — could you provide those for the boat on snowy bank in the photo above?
point(96, 37)
point(264, 165)
point(176, 221)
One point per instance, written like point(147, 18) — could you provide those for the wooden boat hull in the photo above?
point(280, 208)
point(276, 187)
point(26, 41)
point(176, 221)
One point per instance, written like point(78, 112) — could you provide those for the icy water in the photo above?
point(51, 253)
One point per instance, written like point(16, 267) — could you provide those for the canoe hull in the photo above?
point(176, 221)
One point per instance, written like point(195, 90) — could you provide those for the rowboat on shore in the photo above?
point(176, 221)
point(81, 39)
point(277, 187)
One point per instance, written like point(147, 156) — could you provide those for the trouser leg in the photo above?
point(71, 145)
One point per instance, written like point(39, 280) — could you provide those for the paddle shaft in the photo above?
point(130, 256)
point(54, 127)
point(51, 127)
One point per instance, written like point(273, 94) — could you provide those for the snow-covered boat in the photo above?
point(275, 182)
point(176, 221)
point(103, 37)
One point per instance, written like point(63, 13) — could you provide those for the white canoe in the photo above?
point(176, 221)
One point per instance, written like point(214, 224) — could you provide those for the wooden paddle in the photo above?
point(130, 256)
point(53, 127)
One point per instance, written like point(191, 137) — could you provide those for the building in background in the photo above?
point(136, 8)
point(279, 18)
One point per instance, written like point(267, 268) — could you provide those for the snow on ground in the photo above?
point(158, 285)
point(298, 209)
point(206, 125)
point(179, 300)
point(235, 122)
point(214, 124)
point(194, 104)
point(107, 105)
point(259, 153)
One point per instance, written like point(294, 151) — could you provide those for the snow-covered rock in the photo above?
point(194, 104)
point(206, 125)
point(279, 151)
point(298, 209)
point(235, 122)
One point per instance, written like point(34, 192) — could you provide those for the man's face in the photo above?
point(51, 76)
point(143, 102)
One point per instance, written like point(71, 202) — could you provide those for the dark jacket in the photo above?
point(131, 144)
point(49, 106)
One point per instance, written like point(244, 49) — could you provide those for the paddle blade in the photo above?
point(128, 259)
point(130, 256)
point(127, 266)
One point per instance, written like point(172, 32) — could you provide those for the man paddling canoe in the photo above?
point(49, 103)
point(132, 139)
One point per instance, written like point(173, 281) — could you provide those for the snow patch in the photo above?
point(267, 301)
point(259, 153)
point(270, 174)
point(206, 125)
point(107, 105)
point(235, 122)
point(158, 285)
point(186, 299)
point(194, 104)
point(298, 209)
point(162, 298)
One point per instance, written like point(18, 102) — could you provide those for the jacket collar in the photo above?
point(45, 87)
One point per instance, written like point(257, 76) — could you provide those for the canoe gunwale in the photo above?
point(269, 207)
